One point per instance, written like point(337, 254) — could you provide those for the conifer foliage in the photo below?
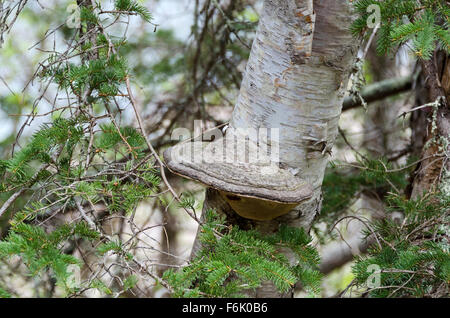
point(232, 261)
point(82, 158)
point(412, 256)
point(422, 24)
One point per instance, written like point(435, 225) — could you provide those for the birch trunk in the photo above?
point(295, 80)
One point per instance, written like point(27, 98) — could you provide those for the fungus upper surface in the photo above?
point(258, 178)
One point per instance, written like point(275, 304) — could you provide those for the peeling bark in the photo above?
point(295, 80)
point(303, 100)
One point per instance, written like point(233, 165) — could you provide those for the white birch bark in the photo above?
point(295, 80)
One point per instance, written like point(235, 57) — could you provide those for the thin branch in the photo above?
point(379, 91)
point(155, 154)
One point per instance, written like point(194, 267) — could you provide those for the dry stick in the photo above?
point(349, 286)
point(31, 116)
point(341, 254)
point(228, 23)
point(369, 43)
point(7, 86)
point(379, 90)
point(344, 137)
point(85, 216)
point(4, 26)
point(130, 149)
point(10, 201)
point(44, 114)
point(403, 286)
point(13, 198)
point(363, 222)
point(433, 104)
point(391, 170)
point(153, 151)
point(108, 238)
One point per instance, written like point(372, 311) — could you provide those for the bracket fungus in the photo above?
point(253, 184)
point(294, 81)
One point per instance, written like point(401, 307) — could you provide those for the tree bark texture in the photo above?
point(295, 80)
point(434, 167)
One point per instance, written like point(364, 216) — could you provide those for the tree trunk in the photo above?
point(295, 80)
point(434, 167)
